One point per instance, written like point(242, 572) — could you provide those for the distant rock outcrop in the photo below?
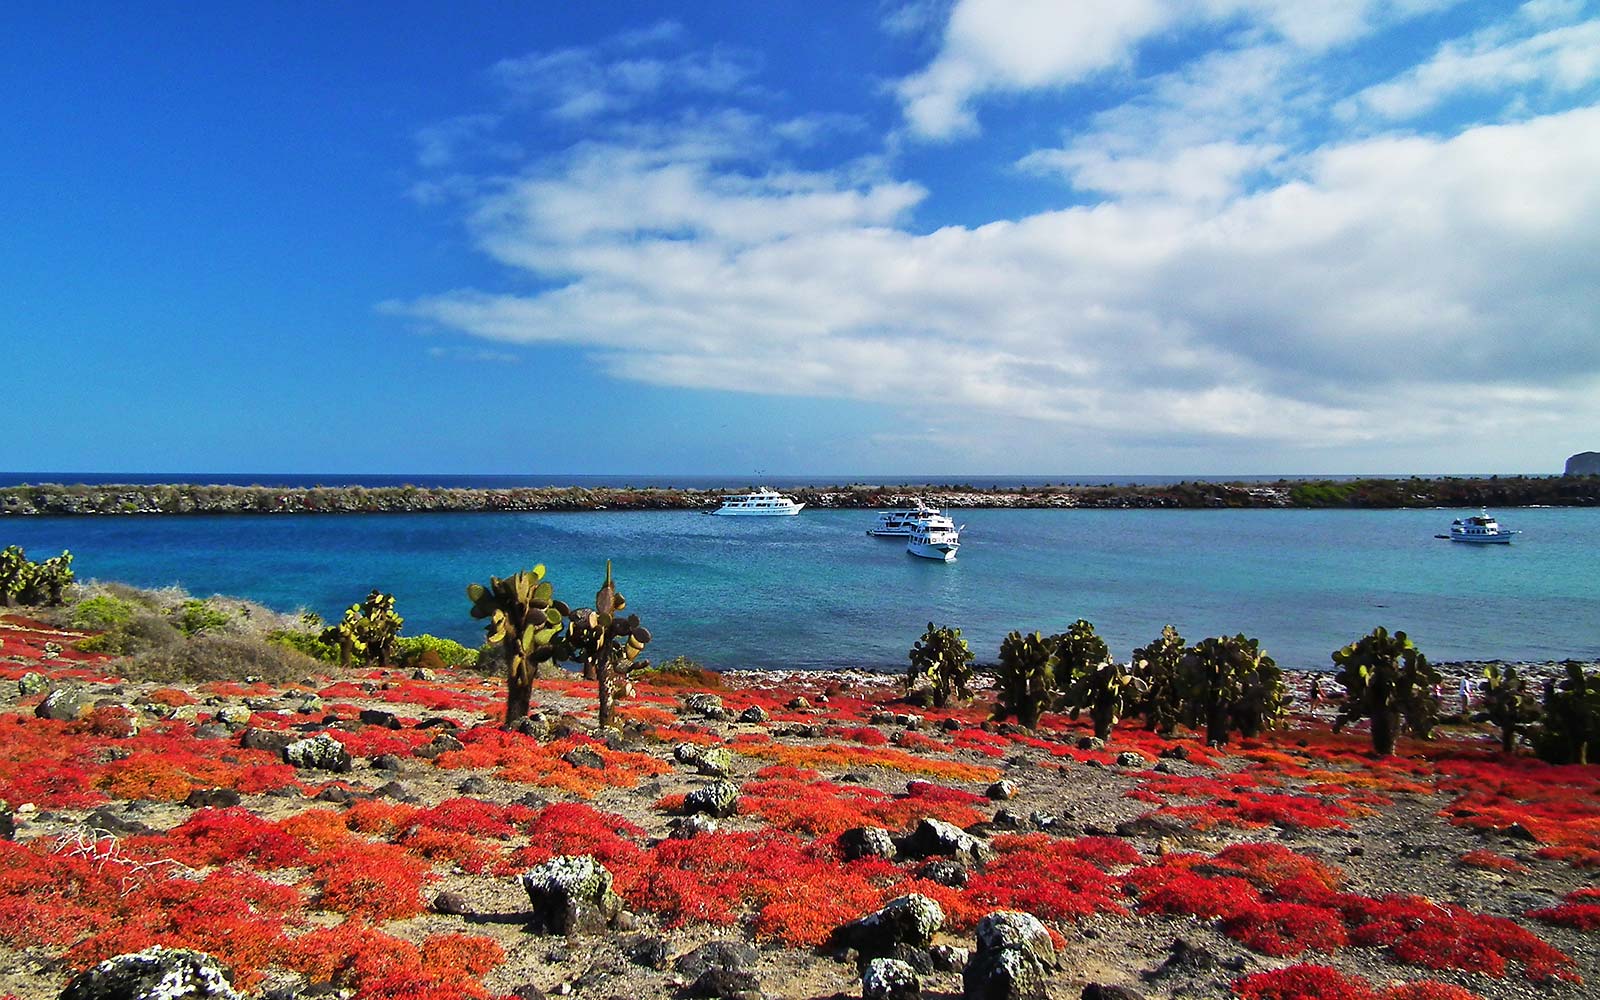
point(1584, 463)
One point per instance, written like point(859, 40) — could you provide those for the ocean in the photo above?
point(815, 591)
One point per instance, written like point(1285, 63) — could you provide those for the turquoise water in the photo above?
point(816, 591)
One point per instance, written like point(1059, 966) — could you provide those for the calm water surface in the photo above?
point(815, 590)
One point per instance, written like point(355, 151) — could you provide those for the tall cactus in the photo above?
point(606, 643)
point(1508, 703)
point(1107, 691)
point(1026, 672)
point(1231, 684)
point(525, 622)
point(1388, 680)
point(1078, 651)
point(1160, 666)
point(941, 657)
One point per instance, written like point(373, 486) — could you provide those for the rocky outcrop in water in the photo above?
point(1584, 463)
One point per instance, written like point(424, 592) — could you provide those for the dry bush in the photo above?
point(219, 657)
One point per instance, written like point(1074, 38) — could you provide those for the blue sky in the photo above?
point(1000, 236)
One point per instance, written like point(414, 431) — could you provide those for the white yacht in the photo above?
point(934, 537)
point(762, 503)
point(899, 522)
point(1480, 529)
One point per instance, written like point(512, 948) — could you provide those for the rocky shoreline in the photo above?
point(1500, 492)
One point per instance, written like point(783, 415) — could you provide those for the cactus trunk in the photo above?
point(1384, 726)
point(603, 677)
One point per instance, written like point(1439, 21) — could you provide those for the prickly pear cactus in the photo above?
point(941, 657)
point(1231, 684)
point(1078, 650)
point(1026, 676)
point(606, 643)
point(1107, 691)
point(1508, 703)
point(526, 623)
point(1160, 666)
point(1388, 680)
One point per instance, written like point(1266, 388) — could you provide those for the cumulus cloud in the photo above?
point(1233, 284)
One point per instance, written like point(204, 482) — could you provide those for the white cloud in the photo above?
point(1560, 60)
point(1013, 45)
point(992, 47)
point(1360, 302)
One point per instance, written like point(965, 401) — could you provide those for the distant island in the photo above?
point(1584, 463)
point(1571, 490)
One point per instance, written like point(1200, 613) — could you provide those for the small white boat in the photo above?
point(934, 537)
point(761, 503)
point(899, 522)
point(1480, 529)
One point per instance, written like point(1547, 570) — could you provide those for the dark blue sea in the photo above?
point(816, 591)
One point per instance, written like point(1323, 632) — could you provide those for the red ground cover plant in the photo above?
point(1419, 931)
point(1579, 909)
point(798, 893)
point(1490, 861)
point(574, 828)
point(524, 760)
point(801, 801)
point(1052, 879)
point(838, 757)
point(377, 966)
point(96, 901)
point(1559, 806)
point(1318, 982)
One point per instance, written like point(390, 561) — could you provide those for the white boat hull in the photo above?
point(1503, 538)
point(774, 512)
point(943, 551)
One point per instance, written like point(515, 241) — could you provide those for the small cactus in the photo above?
point(942, 658)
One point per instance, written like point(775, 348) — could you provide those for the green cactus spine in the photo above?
point(1388, 680)
point(1508, 703)
point(526, 623)
point(606, 643)
point(942, 658)
point(1026, 675)
point(1160, 666)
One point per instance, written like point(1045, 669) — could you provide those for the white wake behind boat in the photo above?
point(1479, 529)
point(899, 522)
point(934, 537)
point(761, 503)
